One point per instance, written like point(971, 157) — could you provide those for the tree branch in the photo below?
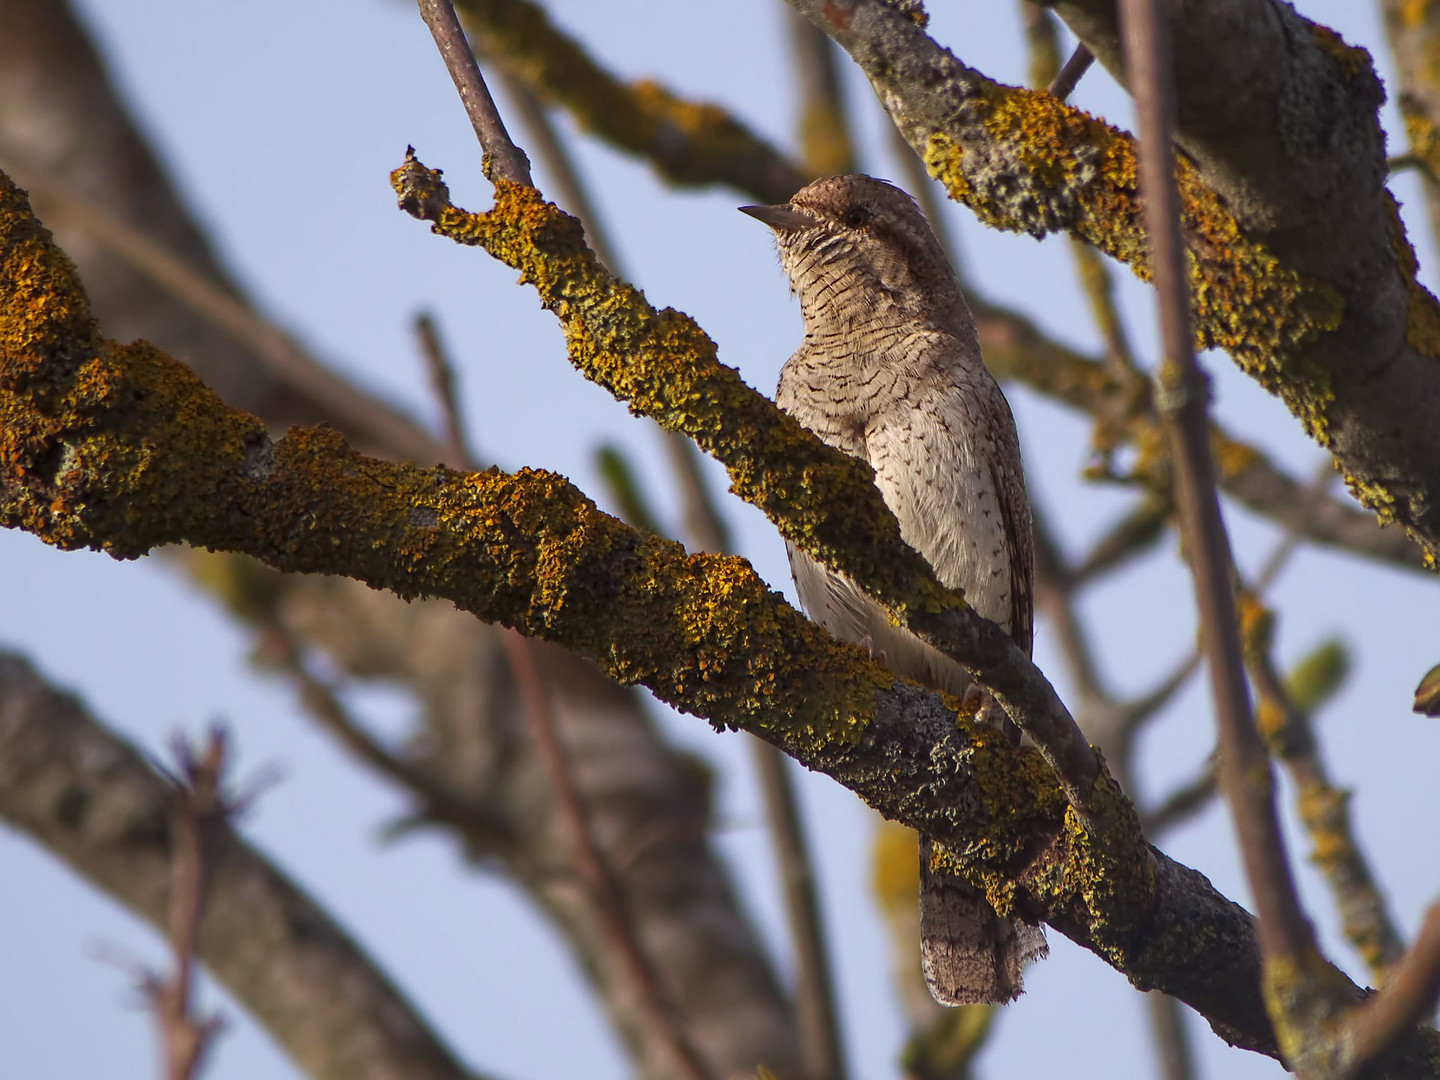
point(470, 735)
point(94, 802)
point(1336, 326)
point(503, 159)
point(123, 449)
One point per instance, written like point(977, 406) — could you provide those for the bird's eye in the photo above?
point(856, 217)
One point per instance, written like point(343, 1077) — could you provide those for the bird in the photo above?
point(890, 372)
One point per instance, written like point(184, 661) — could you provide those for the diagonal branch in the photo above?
point(119, 447)
point(664, 366)
point(1339, 330)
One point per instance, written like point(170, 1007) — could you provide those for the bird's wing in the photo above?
point(1015, 511)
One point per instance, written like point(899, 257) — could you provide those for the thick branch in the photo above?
point(1335, 325)
point(665, 367)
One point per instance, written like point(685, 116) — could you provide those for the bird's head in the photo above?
point(856, 248)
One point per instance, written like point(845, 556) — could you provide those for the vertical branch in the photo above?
point(825, 140)
point(199, 807)
point(822, 1047)
point(1245, 774)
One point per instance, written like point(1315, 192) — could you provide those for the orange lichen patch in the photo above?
point(1071, 171)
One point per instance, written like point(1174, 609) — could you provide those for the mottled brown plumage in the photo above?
point(890, 371)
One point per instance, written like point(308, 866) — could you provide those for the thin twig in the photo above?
point(702, 521)
point(1063, 85)
point(503, 159)
point(1406, 1000)
point(559, 166)
point(1167, 1020)
point(278, 647)
point(599, 881)
point(1324, 809)
point(200, 806)
point(822, 1046)
point(442, 382)
point(1182, 803)
point(1245, 773)
point(1055, 593)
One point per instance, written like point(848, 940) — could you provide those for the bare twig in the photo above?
point(559, 166)
point(599, 882)
point(503, 159)
point(1245, 774)
point(1182, 803)
point(199, 807)
point(442, 382)
point(278, 647)
point(1172, 1039)
point(1063, 85)
point(1405, 1001)
point(1045, 67)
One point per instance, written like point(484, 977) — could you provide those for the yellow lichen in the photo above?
point(1246, 302)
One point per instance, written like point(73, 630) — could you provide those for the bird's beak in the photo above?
point(781, 218)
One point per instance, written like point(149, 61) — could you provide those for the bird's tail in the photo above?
point(970, 955)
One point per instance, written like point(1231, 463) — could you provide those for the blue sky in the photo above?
point(331, 91)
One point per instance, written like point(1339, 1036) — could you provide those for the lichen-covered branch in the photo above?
point(1336, 326)
point(656, 124)
point(1323, 808)
point(94, 801)
point(470, 742)
point(120, 447)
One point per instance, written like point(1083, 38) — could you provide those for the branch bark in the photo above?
point(1334, 323)
point(472, 746)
